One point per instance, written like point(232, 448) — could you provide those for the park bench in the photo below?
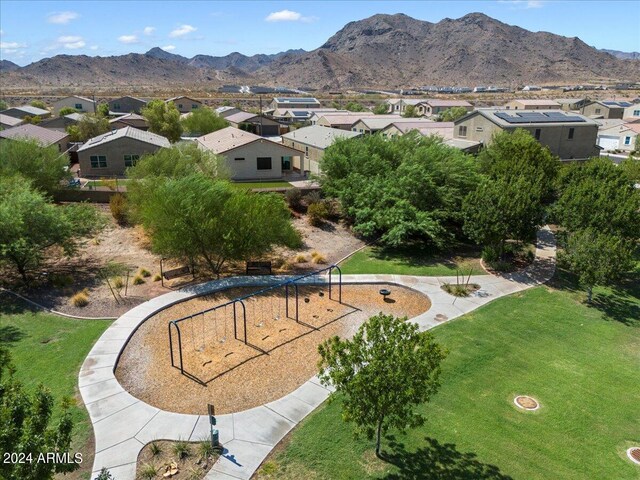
point(258, 268)
point(176, 272)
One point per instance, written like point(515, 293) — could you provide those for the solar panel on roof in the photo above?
point(538, 117)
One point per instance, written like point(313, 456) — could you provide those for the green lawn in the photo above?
point(49, 349)
point(121, 182)
point(374, 260)
point(581, 363)
point(265, 184)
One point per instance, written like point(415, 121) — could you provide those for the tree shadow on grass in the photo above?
point(439, 461)
point(619, 305)
point(10, 334)
point(12, 305)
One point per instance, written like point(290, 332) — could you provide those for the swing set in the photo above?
point(239, 308)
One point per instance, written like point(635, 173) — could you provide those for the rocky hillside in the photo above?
point(7, 66)
point(623, 55)
point(384, 51)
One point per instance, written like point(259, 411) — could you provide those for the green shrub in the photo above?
point(205, 449)
point(145, 273)
point(181, 449)
point(293, 196)
point(138, 280)
point(313, 197)
point(118, 283)
point(317, 213)
point(155, 449)
point(118, 207)
point(148, 471)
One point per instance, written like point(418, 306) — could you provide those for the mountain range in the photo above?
point(382, 51)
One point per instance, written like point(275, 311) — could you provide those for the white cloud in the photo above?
point(128, 39)
point(94, 47)
point(169, 48)
point(12, 47)
point(62, 17)
point(149, 30)
point(526, 4)
point(288, 16)
point(182, 30)
point(71, 42)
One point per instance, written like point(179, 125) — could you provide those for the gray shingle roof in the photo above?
point(318, 136)
point(11, 121)
point(28, 131)
point(129, 132)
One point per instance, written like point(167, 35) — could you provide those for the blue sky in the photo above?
point(34, 30)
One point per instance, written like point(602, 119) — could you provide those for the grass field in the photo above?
point(372, 260)
point(49, 349)
point(580, 362)
point(265, 184)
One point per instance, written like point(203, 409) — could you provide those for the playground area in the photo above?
point(264, 351)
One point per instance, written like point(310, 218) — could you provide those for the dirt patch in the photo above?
point(526, 402)
point(281, 355)
point(190, 460)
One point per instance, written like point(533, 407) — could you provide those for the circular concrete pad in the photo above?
point(634, 454)
point(526, 402)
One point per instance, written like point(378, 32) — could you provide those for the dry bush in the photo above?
point(138, 280)
point(318, 258)
point(80, 299)
point(145, 273)
point(301, 258)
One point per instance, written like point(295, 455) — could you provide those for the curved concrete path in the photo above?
point(123, 424)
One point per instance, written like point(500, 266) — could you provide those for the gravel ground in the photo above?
point(236, 376)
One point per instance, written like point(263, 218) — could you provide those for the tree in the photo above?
point(452, 114)
point(103, 109)
point(89, 126)
point(202, 121)
point(178, 161)
point(32, 119)
point(502, 209)
point(67, 111)
point(44, 166)
point(410, 112)
point(195, 217)
point(599, 195)
point(30, 225)
point(163, 119)
point(25, 428)
point(381, 109)
point(38, 104)
point(631, 168)
point(354, 107)
point(407, 189)
point(383, 373)
point(3, 105)
point(519, 154)
point(598, 258)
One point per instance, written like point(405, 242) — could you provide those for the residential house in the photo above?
point(375, 123)
point(130, 120)
point(251, 122)
point(43, 136)
point(605, 109)
point(127, 104)
point(345, 120)
point(294, 115)
point(110, 154)
point(80, 104)
point(224, 112)
point(26, 111)
point(8, 122)
point(430, 108)
point(567, 135)
point(61, 123)
point(185, 104)
point(314, 140)
point(531, 104)
point(632, 112)
point(394, 104)
point(287, 103)
point(318, 113)
point(568, 104)
point(619, 137)
point(249, 156)
point(441, 129)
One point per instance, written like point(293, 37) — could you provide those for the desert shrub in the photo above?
point(293, 197)
point(333, 209)
point(118, 207)
point(148, 471)
point(155, 448)
point(118, 282)
point(205, 449)
point(301, 258)
point(138, 280)
point(313, 197)
point(157, 277)
point(317, 213)
point(181, 449)
point(110, 183)
point(80, 299)
point(145, 273)
point(318, 258)
point(459, 290)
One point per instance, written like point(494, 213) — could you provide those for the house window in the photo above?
point(306, 151)
point(116, 107)
point(627, 140)
point(78, 106)
point(537, 133)
point(462, 131)
point(598, 110)
point(131, 160)
point(264, 163)
point(179, 106)
point(479, 129)
point(98, 161)
point(636, 113)
point(571, 132)
point(239, 158)
point(194, 106)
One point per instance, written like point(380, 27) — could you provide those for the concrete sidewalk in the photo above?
point(123, 424)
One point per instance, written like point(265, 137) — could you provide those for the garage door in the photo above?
point(608, 142)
